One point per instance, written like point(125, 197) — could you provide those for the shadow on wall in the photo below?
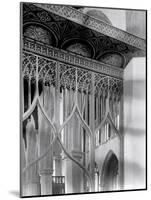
point(138, 90)
point(133, 165)
point(136, 132)
point(131, 182)
point(14, 193)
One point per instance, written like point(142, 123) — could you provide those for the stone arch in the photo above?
point(40, 33)
point(112, 58)
point(109, 174)
point(79, 46)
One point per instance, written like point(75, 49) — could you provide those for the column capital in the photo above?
point(45, 172)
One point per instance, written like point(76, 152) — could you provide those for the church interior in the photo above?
point(83, 99)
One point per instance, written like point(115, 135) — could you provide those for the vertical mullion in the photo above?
point(57, 95)
point(66, 115)
point(121, 130)
point(23, 95)
point(43, 89)
point(92, 126)
point(29, 92)
point(97, 110)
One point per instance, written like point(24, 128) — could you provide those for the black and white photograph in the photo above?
point(82, 99)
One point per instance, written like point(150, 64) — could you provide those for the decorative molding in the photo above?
point(38, 33)
point(95, 24)
point(71, 77)
point(33, 46)
point(45, 172)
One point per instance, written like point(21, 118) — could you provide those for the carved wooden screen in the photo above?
point(67, 112)
point(73, 63)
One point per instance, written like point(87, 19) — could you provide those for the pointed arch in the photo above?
point(109, 174)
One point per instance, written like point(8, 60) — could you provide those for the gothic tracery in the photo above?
point(72, 99)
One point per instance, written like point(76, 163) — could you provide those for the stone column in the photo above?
point(73, 173)
point(92, 126)
point(77, 173)
point(46, 181)
point(31, 176)
point(58, 165)
point(120, 179)
point(45, 138)
point(22, 163)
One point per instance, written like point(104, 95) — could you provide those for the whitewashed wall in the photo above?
point(117, 20)
point(136, 23)
point(134, 124)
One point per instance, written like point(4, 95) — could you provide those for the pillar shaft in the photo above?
point(92, 145)
point(45, 138)
point(31, 176)
point(46, 182)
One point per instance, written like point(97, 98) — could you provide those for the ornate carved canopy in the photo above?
point(67, 26)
